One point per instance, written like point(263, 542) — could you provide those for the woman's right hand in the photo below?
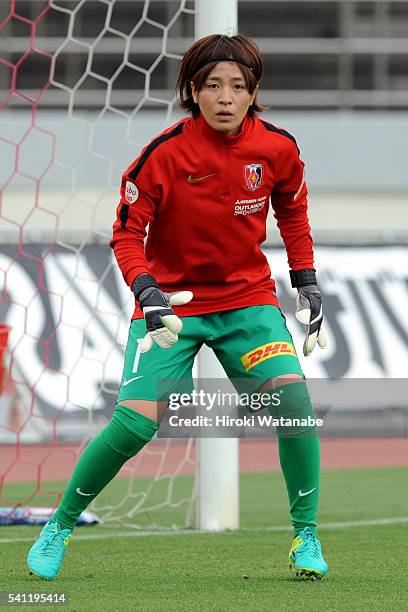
point(162, 324)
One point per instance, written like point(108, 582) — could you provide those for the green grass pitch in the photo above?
point(245, 570)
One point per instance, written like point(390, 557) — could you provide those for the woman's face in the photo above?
point(224, 98)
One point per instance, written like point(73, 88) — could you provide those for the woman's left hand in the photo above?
point(309, 311)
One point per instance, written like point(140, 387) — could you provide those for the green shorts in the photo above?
point(252, 344)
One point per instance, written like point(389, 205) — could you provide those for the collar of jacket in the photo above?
point(203, 128)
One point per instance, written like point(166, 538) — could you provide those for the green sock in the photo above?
point(299, 454)
point(300, 462)
point(125, 435)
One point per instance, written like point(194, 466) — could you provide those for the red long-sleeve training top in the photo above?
point(205, 196)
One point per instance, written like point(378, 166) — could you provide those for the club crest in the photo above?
point(253, 176)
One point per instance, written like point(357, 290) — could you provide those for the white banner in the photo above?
point(69, 312)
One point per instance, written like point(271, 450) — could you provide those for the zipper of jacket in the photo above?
point(227, 153)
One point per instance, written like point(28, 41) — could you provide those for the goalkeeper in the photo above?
point(204, 186)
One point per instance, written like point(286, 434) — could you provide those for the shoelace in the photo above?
point(312, 545)
point(53, 544)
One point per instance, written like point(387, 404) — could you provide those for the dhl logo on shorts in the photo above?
point(266, 351)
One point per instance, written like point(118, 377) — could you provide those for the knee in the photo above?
point(290, 403)
point(128, 431)
point(281, 381)
point(151, 409)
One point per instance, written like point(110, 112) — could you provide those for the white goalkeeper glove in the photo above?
point(162, 324)
point(309, 310)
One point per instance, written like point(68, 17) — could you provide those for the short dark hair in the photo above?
point(204, 54)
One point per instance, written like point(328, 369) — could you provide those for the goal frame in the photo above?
point(217, 468)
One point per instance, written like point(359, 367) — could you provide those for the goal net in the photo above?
point(86, 84)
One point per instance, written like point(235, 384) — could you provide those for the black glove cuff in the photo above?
point(302, 278)
point(141, 283)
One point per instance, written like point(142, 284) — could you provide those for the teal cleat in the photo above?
point(46, 554)
point(305, 556)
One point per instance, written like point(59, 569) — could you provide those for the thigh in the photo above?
point(159, 372)
point(255, 345)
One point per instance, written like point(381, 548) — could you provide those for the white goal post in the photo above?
point(217, 458)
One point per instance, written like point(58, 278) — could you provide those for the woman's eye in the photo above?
point(236, 86)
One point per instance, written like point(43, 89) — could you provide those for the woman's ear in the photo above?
point(254, 94)
point(194, 92)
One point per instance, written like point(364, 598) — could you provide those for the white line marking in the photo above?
point(399, 520)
